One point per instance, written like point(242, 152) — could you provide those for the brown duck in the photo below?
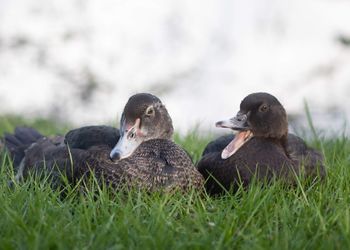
point(140, 155)
point(262, 148)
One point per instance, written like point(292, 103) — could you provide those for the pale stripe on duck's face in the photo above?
point(134, 132)
point(144, 118)
point(131, 137)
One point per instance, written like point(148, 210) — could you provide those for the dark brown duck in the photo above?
point(262, 148)
point(140, 155)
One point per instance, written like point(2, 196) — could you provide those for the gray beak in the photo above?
point(239, 122)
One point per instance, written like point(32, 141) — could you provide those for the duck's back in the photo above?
point(156, 164)
point(311, 160)
point(89, 136)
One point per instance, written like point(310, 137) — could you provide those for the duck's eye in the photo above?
point(149, 111)
point(263, 108)
point(132, 135)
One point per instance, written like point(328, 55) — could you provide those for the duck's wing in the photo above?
point(175, 167)
point(89, 136)
point(218, 144)
point(309, 158)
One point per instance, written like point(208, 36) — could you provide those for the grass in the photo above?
point(317, 216)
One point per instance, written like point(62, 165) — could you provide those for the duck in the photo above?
point(141, 154)
point(261, 149)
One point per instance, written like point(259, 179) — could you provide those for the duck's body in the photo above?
point(263, 149)
point(256, 159)
point(155, 163)
point(296, 147)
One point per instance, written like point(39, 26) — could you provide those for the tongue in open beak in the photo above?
point(240, 139)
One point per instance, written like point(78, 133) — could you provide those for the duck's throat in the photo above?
point(240, 139)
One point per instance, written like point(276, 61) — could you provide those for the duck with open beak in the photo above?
point(261, 115)
point(238, 123)
point(259, 149)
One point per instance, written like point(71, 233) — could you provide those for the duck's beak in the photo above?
point(239, 123)
point(129, 140)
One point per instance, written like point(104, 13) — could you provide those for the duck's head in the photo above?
point(144, 118)
point(260, 115)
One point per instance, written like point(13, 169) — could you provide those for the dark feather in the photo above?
point(17, 143)
point(89, 136)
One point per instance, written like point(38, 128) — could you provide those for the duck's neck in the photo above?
point(283, 142)
point(168, 131)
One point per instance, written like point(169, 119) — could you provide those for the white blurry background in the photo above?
point(78, 61)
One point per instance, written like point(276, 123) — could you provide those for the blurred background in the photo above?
point(78, 61)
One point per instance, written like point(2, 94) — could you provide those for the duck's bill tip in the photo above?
point(240, 139)
point(115, 156)
point(224, 124)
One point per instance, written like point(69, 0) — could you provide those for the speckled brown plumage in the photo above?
point(156, 164)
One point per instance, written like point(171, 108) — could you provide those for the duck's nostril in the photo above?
point(115, 156)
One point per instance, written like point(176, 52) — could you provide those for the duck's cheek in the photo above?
point(140, 133)
point(146, 132)
point(147, 129)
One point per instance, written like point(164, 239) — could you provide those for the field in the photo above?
point(309, 216)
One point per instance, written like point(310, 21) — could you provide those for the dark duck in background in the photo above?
point(139, 155)
point(262, 148)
